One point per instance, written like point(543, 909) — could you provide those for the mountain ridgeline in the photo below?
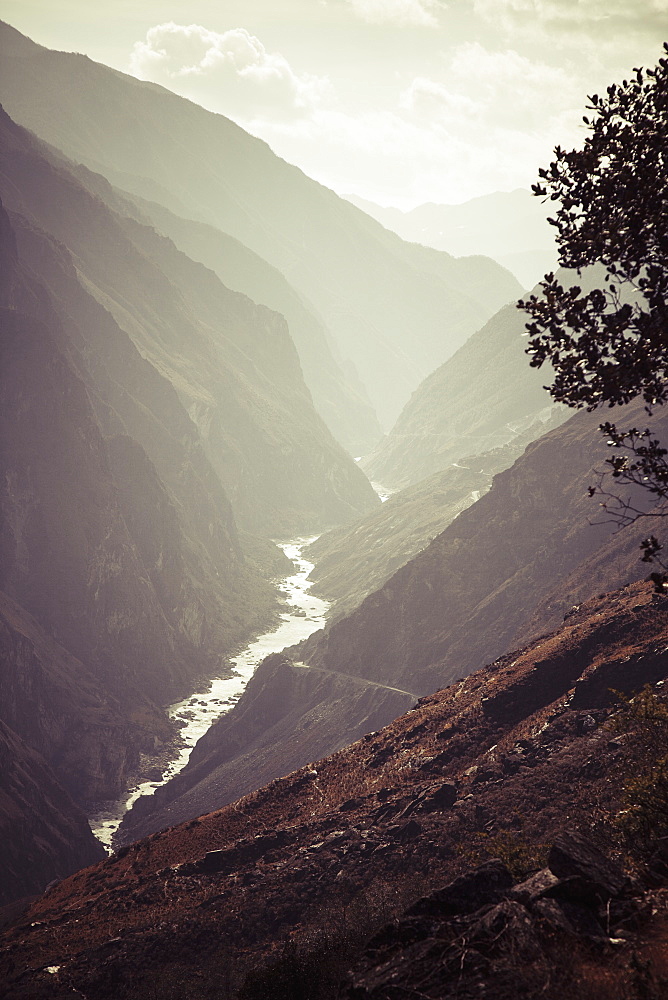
point(509, 226)
point(232, 363)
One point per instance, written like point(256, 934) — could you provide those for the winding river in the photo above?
point(303, 615)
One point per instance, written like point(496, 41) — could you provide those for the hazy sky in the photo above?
point(398, 101)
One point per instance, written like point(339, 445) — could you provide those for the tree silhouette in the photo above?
point(609, 345)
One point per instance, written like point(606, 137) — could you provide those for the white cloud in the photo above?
point(491, 118)
point(513, 87)
point(485, 96)
point(418, 12)
point(430, 99)
point(487, 121)
point(442, 159)
point(611, 35)
point(247, 78)
point(478, 119)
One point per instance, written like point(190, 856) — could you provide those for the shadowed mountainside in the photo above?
point(55, 838)
point(83, 701)
point(68, 557)
point(232, 363)
point(338, 397)
point(57, 705)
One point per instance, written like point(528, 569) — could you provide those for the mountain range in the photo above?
point(484, 397)
point(393, 310)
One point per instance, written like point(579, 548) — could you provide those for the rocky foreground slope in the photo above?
point(278, 894)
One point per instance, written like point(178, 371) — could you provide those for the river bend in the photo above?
point(303, 615)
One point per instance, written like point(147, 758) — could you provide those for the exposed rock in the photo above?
point(442, 797)
point(484, 886)
point(628, 675)
point(573, 854)
point(573, 919)
point(230, 860)
point(534, 887)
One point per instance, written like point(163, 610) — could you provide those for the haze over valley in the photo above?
point(324, 623)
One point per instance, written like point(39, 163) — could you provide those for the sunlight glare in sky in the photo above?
point(397, 101)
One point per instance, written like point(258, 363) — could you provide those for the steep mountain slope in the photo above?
point(287, 714)
point(354, 560)
point(279, 892)
point(45, 836)
point(467, 597)
point(395, 310)
point(232, 363)
point(68, 558)
point(481, 398)
point(338, 397)
point(214, 595)
point(84, 641)
point(351, 561)
point(218, 597)
point(56, 705)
